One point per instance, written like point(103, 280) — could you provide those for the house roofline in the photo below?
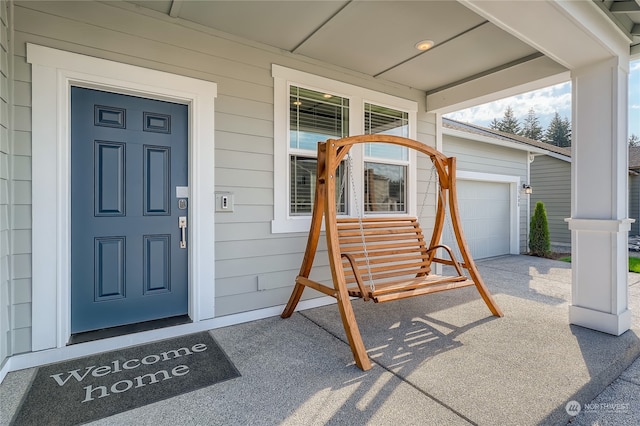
point(493, 141)
point(492, 133)
point(559, 156)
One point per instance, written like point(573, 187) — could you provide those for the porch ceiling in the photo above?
point(625, 14)
point(378, 38)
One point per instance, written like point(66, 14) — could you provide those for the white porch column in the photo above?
point(599, 220)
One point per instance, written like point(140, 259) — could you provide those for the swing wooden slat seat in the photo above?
point(382, 258)
point(388, 259)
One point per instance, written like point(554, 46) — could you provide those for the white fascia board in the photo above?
point(493, 141)
point(573, 33)
point(559, 156)
point(592, 19)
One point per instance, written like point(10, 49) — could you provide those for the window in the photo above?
point(313, 116)
point(384, 182)
point(309, 109)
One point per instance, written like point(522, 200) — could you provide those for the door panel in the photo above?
point(157, 192)
point(109, 178)
point(109, 260)
point(485, 212)
point(157, 263)
point(127, 156)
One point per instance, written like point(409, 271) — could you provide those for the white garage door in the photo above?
point(485, 211)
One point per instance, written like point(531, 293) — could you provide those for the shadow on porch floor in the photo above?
point(438, 359)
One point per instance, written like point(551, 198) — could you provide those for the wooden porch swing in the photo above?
point(382, 258)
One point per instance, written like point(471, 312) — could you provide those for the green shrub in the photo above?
point(539, 244)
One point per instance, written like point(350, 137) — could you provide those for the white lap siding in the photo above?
point(255, 269)
point(485, 158)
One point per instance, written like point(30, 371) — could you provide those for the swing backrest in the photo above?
point(393, 250)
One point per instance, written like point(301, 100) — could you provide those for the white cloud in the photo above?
point(545, 102)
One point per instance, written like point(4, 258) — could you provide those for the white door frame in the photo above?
point(53, 74)
point(514, 201)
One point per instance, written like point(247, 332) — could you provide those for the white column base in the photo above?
point(600, 321)
point(599, 291)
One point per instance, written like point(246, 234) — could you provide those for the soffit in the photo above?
point(625, 14)
point(376, 38)
point(473, 39)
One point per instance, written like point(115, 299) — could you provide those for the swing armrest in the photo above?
point(356, 274)
point(455, 262)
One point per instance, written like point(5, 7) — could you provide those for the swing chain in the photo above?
point(426, 194)
point(342, 187)
point(447, 212)
point(372, 284)
point(452, 232)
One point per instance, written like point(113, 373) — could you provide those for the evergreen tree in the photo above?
point(566, 129)
point(553, 130)
point(634, 140)
point(539, 243)
point(509, 123)
point(559, 132)
point(531, 128)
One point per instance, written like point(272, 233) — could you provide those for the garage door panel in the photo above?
point(485, 211)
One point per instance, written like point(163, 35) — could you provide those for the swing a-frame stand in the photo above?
point(380, 257)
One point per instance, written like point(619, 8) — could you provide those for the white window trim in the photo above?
point(53, 74)
point(514, 202)
point(284, 222)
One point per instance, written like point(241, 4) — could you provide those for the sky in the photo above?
point(546, 102)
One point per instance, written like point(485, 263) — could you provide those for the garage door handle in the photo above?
point(182, 224)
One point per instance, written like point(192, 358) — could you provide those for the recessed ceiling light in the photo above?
point(424, 45)
point(327, 96)
point(297, 103)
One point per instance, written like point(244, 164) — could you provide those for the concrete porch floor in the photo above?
point(438, 359)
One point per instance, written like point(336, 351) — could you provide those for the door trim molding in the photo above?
point(53, 73)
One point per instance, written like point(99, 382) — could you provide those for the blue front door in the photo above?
point(128, 253)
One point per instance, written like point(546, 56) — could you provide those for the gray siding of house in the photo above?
point(248, 255)
point(5, 152)
point(481, 157)
point(634, 204)
point(551, 182)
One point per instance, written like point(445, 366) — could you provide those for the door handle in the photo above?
point(182, 224)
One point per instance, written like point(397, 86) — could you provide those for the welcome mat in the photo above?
point(91, 388)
